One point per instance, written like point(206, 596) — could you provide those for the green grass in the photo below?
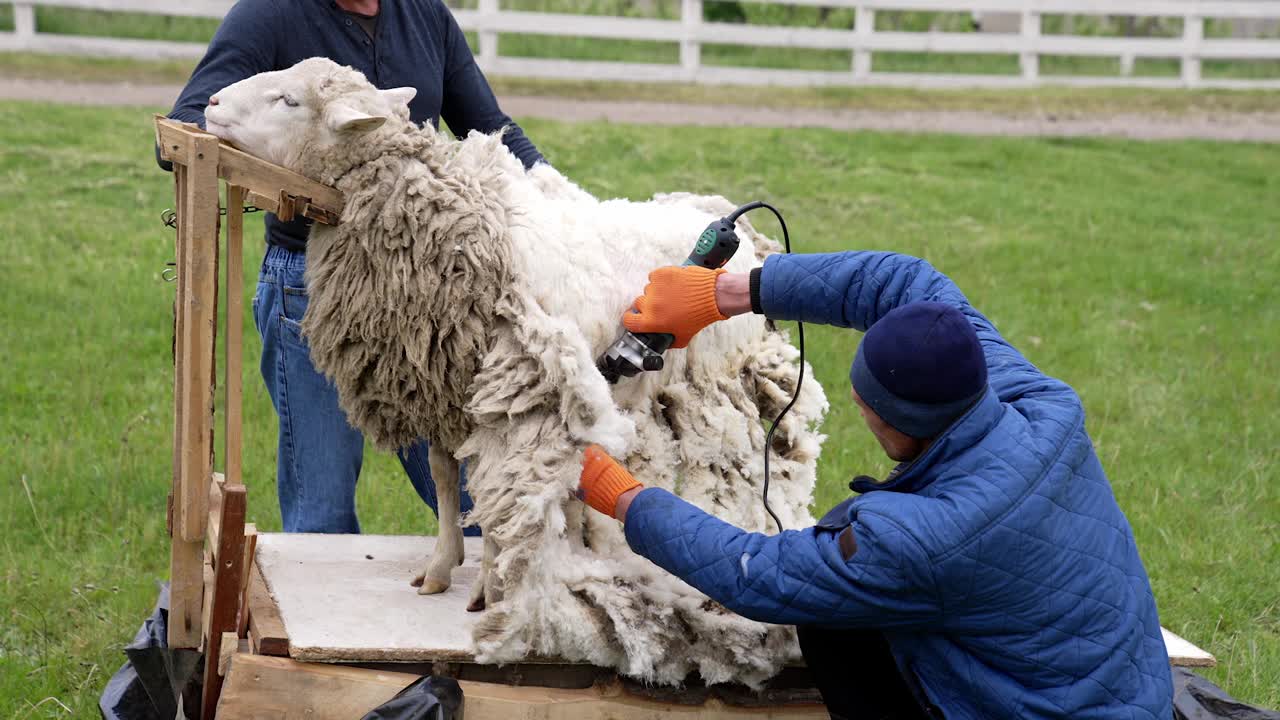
point(1142, 273)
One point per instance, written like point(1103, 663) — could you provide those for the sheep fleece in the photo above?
point(464, 300)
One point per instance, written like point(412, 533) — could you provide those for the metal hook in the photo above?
point(170, 273)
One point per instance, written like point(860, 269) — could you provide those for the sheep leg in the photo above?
point(483, 592)
point(434, 578)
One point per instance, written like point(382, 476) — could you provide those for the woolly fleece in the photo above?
point(464, 300)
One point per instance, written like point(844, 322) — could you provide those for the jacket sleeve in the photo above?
point(468, 102)
point(856, 289)
point(243, 46)
point(796, 577)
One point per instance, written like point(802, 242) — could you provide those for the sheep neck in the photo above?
point(409, 287)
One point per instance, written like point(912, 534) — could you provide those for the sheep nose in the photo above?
point(213, 100)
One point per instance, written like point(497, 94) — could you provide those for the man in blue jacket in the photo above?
point(395, 43)
point(990, 575)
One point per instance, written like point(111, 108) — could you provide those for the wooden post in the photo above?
point(1029, 60)
point(1126, 65)
point(186, 557)
point(864, 27)
point(200, 313)
point(228, 573)
point(690, 46)
point(24, 20)
point(233, 382)
point(1192, 35)
point(488, 38)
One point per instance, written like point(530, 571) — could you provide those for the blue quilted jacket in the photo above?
point(998, 564)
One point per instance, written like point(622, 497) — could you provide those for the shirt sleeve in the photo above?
point(468, 102)
point(883, 579)
point(855, 289)
point(244, 45)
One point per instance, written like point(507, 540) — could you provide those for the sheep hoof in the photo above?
point(431, 586)
point(476, 605)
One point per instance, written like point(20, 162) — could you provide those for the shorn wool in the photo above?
point(464, 300)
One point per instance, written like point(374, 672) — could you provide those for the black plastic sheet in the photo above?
point(148, 686)
point(1195, 698)
point(429, 698)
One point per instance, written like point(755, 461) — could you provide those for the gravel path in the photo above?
point(1256, 127)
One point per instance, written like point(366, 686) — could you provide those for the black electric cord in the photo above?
point(768, 440)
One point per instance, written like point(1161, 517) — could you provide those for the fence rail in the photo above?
point(691, 31)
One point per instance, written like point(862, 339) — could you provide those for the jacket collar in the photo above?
point(968, 430)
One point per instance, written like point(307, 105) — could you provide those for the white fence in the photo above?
point(691, 31)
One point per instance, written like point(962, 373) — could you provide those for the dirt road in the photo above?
point(1255, 127)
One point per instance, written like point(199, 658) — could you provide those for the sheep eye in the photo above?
point(289, 101)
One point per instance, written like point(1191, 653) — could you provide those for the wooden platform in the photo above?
point(343, 603)
point(364, 580)
point(346, 598)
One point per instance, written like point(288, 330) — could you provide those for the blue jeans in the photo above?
point(319, 454)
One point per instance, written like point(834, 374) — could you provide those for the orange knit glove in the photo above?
point(603, 480)
point(678, 301)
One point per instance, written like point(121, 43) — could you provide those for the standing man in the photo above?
point(395, 43)
point(990, 575)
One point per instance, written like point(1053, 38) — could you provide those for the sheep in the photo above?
point(465, 300)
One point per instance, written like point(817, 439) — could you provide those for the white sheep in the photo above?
point(464, 300)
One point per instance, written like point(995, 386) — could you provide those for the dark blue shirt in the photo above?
point(418, 44)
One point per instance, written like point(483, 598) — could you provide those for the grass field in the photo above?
point(1142, 273)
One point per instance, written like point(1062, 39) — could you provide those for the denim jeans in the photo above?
point(319, 454)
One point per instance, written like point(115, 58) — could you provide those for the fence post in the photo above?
point(1029, 60)
point(690, 48)
point(488, 38)
point(864, 26)
point(1192, 34)
point(1126, 64)
point(24, 20)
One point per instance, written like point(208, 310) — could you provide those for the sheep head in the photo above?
point(313, 118)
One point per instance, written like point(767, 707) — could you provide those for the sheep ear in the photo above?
point(399, 96)
point(343, 118)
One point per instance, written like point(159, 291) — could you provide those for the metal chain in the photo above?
point(170, 219)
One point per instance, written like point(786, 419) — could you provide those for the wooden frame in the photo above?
point(212, 548)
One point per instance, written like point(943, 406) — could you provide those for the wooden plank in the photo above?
point(198, 225)
point(228, 573)
point(1183, 654)
point(187, 8)
point(250, 546)
point(186, 597)
point(103, 47)
point(255, 176)
point(233, 380)
point(214, 527)
point(1170, 8)
point(266, 629)
point(186, 558)
point(260, 686)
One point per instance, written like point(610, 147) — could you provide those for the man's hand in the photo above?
point(604, 482)
point(678, 301)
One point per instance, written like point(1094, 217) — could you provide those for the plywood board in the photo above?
point(1184, 654)
point(266, 630)
point(325, 585)
point(259, 686)
point(347, 597)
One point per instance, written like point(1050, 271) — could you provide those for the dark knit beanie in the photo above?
point(920, 367)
